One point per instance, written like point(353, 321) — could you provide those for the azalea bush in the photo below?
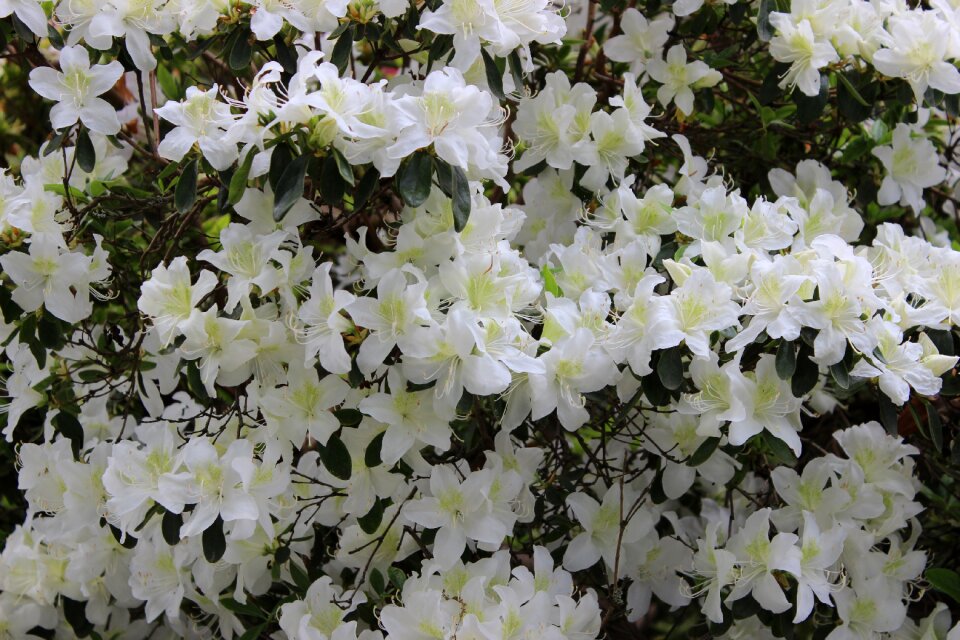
point(479, 319)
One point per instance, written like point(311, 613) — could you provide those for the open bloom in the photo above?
point(912, 165)
point(76, 88)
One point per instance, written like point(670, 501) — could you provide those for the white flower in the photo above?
point(917, 46)
point(606, 526)
point(200, 119)
point(213, 340)
point(169, 298)
point(912, 165)
point(797, 44)
point(641, 40)
point(679, 78)
point(51, 277)
point(455, 118)
point(75, 89)
point(30, 12)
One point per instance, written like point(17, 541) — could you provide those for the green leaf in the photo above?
point(889, 417)
point(285, 55)
point(241, 52)
point(170, 527)
point(779, 449)
point(290, 186)
point(280, 159)
point(414, 178)
point(341, 50)
point(371, 521)
point(195, 382)
point(343, 167)
point(238, 181)
point(703, 452)
point(670, 368)
point(49, 332)
point(454, 183)
point(186, 192)
point(935, 425)
point(348, 417)
point(299, 576)
point(253, 633)
point(243, 609)
point(494, 75)
point(56, 142)
point(809, 108)
point(214, 543)
point(550, 281)
point(945, 581)
point(336, 458)
point(377, 581)
point(365, 189)
point(331, 181)
point(807, 373)
point(397, 577)
point(68, 426)
point(765, 30)
point(371, 456)
point(841, 374)
point(786, 360)
point(75, 611)
point(86, 154)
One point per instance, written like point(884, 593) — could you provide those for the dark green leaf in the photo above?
point(170, 527)
point(195, 382)
point(243, 609)
point(779, 449)
point(290, 186)
point(331, 182)
point(253, 633)
point(786, 360)
point(336, 458)
point(371, 521)
point(371, 457)
point(377, 581)
point(214, 542)
point(186, 192)
point(365, 189)
point(55, 142)
point(397, 577)
point(341, 50)
point(285, 56)
point(807, 373)
point(86, 154)
point(935, 425)
point(945, 581)
point(415, 178)
point(657, 395)
point(67, 425)
point(494, 75)
point(280, 159)
point(809, 108)
point(458, 188)
point(75, 612)
point(299, 576)
point(703, 452)
point(670, 368)
point(841, 374)
point(238, 181)
point(888, 414)
point(343, 167)
point(241, 52)
point(50, 333)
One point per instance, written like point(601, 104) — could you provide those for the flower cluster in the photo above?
point(415, 320)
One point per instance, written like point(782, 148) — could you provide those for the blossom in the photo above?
point(911, 165)
point(75, 89)
point(641, 40)
point(202, 120)
point(796, 43)
point(916, 49)
point(169, 297)
point(678, 78)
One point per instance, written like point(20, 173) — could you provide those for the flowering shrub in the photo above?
point(480, 319)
